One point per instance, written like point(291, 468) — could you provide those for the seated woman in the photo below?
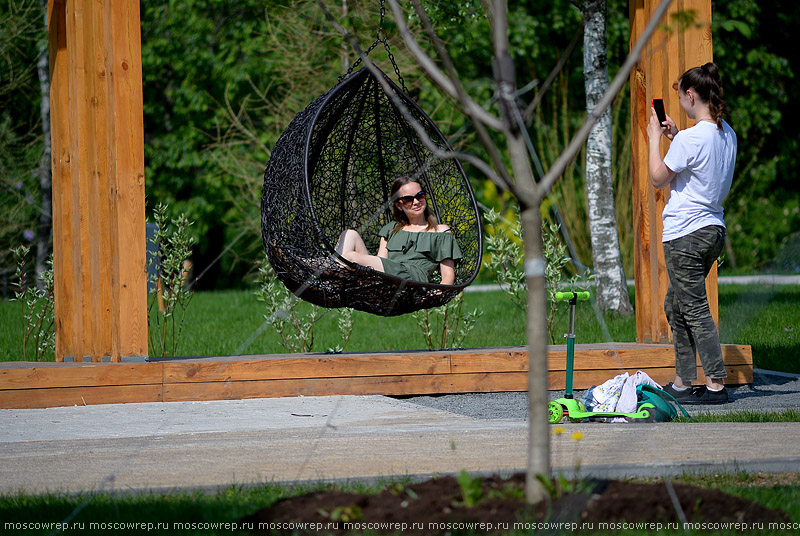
point(413, 246)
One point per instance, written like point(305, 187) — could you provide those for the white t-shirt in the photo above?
point(703, 158)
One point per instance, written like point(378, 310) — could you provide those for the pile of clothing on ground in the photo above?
point(617, 395)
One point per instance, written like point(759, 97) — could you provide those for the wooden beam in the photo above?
point(668, 54)
point(80, 136)
point(126, 180)
point(404, 373)
point(98, 198)
point(98, 180)
point(308, 366)
point(81, 396)
point(361, 385)
point(66, 330)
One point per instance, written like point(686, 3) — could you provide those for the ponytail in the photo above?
point(707, 84)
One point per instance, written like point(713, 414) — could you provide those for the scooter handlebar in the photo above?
point(566, 296)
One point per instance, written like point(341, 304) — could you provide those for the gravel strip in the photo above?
point(769, 391)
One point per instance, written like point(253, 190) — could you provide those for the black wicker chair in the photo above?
point(331, 170)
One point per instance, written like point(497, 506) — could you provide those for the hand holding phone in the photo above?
point(658, 106)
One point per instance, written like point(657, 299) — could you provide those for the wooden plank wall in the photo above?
point(98, 179)
point(36, 385)
point(668, 54)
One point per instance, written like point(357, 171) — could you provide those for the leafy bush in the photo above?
point(758, 229)
point(447, 326)
point(37, 307)
point(505, 259)
point(295, 328)
point(173, 245)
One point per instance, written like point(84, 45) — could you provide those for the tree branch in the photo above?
point(422, 134)
point(446, 83)
point(467, 104)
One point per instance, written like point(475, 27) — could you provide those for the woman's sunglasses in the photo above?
point(408, 199)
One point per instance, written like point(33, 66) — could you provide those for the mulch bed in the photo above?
point(437, 506)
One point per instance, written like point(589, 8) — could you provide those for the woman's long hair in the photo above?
point(400, 216)
point(707, 83)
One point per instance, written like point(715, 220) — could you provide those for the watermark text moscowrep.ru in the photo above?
point(144, 526)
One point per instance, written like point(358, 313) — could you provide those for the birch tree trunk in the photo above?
point(612, 290)
point(45, 226)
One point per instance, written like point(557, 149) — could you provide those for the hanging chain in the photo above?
point(379, 40)
point(394, 64)
point(383, 18)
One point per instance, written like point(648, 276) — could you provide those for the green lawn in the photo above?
point(767, 317)
point(783, 415)
point(177, 512)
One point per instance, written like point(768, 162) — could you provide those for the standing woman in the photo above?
point(698, 169)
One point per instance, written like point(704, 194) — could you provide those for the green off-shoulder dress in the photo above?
point(416, 256)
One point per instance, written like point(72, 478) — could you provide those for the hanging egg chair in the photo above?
point(331, 170)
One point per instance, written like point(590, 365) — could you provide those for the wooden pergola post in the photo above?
point(98, 179)
point(665, 58)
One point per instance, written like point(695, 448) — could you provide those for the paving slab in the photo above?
point(131, 447)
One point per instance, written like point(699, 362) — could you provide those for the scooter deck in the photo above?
point(575, 410)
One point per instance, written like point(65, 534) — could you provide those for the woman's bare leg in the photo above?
point(349, 241)
point(351, 246)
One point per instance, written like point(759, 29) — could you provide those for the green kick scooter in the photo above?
point(567, 406)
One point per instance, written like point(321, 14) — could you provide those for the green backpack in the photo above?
point(662, 401)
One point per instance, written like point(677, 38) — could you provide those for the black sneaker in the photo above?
point(680, 396)
point(703, 396)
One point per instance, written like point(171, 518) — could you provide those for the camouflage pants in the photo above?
point(689, 259)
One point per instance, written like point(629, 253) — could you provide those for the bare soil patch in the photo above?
point(426, 507)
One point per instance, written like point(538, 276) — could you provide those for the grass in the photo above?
point(766, 317)
point(784, 415)
point(201, 510)
point(767, 491)
point(159, 509)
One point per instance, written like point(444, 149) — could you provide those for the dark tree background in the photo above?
point(204, 61)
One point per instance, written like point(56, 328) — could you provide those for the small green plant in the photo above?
point(401, 489)
point(37, 311)
point(345, 325)
point(173, 245)
point(559, 486)
point(447, 326)
point(471, 489)
point(556, 261)
point(295, 329)
point(506, 258)
point(509, 491)
point(347, 514)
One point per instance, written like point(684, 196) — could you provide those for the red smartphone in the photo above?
point(658, 106)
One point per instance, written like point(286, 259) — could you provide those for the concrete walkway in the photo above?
point(127, 447)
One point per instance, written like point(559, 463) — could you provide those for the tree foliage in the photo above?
point(222, 80)
point(754, 44)
point(21, 23)
point(208, 62)
point(193, 53)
